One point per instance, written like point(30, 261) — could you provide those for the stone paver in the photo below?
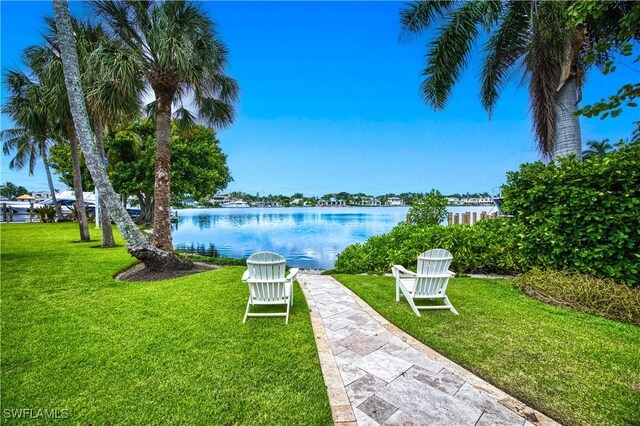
point(376, 374)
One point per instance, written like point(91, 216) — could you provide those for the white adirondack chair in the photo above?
point(267, 283)
point(429, 282)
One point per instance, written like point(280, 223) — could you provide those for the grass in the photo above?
point(171, 352)
point(575, 367)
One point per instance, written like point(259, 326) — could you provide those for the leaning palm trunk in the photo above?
point(567, 131)
point(137, 244)
point(47, 169)
point(77, 185)
point(105, 217)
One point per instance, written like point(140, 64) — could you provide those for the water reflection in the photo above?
point(307, 237)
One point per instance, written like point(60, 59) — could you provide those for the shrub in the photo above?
point(585, 293)
point(45, 213)
point(490, 246)
point(581, 216)
point(428, 210)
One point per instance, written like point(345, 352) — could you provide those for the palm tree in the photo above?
point(31, 139)
point(137, 244)
point(46, 63)
point(113, 92)
point(522, 36)
point(181, 58)
point(597, 148)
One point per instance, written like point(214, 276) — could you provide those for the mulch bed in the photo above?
point(138, 272)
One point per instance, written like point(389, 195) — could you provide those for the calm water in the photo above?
point(309, 237)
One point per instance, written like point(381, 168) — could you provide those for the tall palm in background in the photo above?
point(137, 243)
point(597, 148)
point(183, 62)
point(528, 36)
point(30, 140)
point(113, 92)
point(46, 63)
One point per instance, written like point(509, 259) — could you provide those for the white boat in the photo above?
point(20, 207)
point(235, 204)
point(67, 198)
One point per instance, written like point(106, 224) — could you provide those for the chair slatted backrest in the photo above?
point(266, 276)
point(432, 274)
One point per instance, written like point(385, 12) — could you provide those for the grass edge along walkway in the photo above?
point(574, 367)
point(173, 352)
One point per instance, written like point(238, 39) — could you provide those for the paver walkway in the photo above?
point(377, 374)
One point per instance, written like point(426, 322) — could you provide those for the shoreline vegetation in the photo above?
point(340, 199)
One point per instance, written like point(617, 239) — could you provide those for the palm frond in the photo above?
point(216, 113)
point(419, 15)
point(151, 110)
point(545, 59)
point(448, 54)
point(505, 47)
point(184, 118)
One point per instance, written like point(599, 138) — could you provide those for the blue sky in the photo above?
point(330, 102)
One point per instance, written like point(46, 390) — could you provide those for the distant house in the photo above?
point(454, 201)
point(394, 202)
point(190, 202)
point(331, 202)
point(370, 202)
point(296, 202)
point(477, 201)
point(220, 199)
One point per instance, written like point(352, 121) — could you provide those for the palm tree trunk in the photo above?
point(137, 244)
point(47, 169)
point(146, 208)
point(77, 184)
point(105, 217)
point(162, 188)
point(567, 133)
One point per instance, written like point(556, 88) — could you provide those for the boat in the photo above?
point(66, 199)
point(235, 204)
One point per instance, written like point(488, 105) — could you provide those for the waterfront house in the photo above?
point(331, 202)
point(394, 202)
point(220, 199)
point(370, 202)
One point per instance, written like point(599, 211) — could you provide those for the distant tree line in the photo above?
point(348, 199)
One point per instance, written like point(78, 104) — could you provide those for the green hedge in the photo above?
point(490, 246)
point(580, 216)
point(571, 216)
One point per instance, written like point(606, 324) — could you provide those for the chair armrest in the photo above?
point(453, 274)
point(293, 272)
point(245, 276)
point(401, 270)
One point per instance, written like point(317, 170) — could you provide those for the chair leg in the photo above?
point(286, 320)
point(413, 305)
point(291, 294)
point(407, 296)
point(397, 292)
point(246, 313)
point(451, 308)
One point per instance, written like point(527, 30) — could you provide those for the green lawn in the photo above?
point(577, 368)
point(172, 352)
